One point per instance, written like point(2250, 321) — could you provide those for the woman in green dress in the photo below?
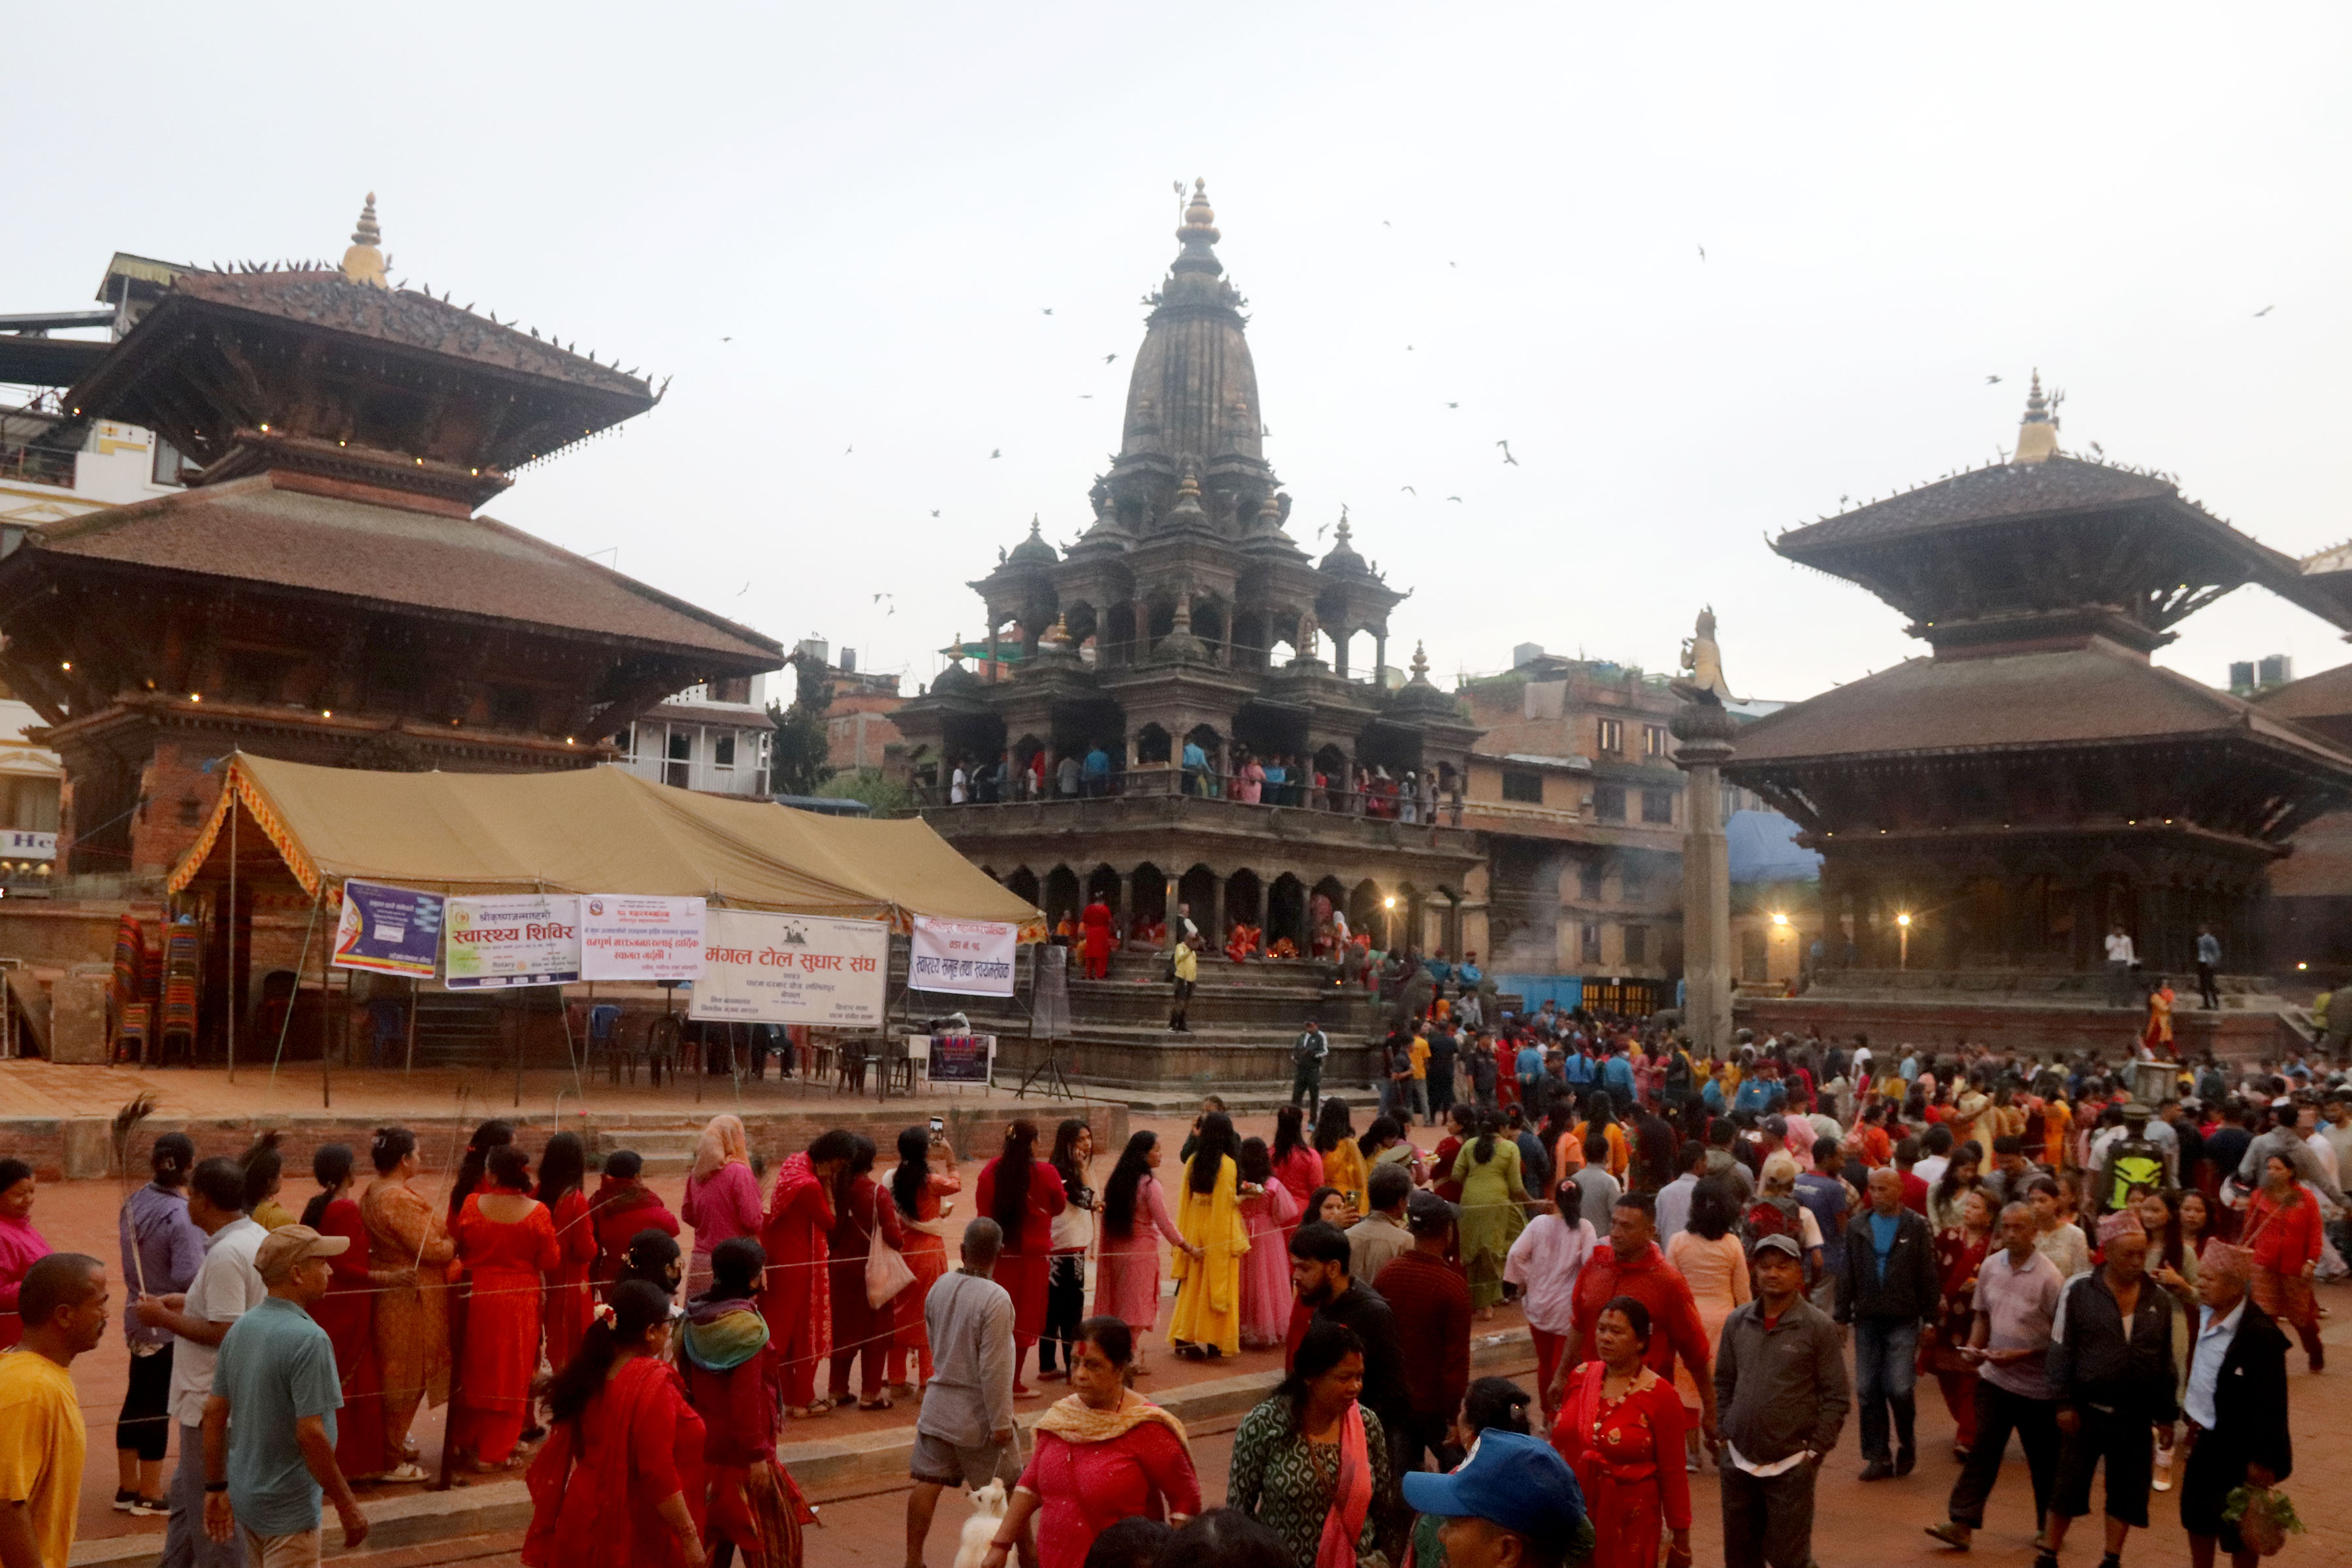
point(1491, 1212)
point(1310, 1463)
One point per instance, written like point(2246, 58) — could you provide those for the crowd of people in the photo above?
point(1718, 1261)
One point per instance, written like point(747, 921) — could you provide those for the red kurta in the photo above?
point(597, 1487)
point(504, 1261)
point(621, 1209)
point(1086, 1488)
point(347, 1312)
point(1022, 1267)
point(796, 1300)
point(927, 1254)
point(860, 1331)
point(568, 1301)
point(1650, 1280)
point(1628, 1458)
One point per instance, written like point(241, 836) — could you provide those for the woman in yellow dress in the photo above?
point(1343, 1158)
point(1208, 1318)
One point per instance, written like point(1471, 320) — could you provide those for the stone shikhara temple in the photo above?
point(1187, 613)
point(1987, 813)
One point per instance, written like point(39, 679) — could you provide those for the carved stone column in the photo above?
point(1704, 730)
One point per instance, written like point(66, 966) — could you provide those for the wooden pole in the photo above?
point(300, 964)
point(415, 986)
point(326, 983)
point(230, 785)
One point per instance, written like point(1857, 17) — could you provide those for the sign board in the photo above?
point(625, 936)
point(766, 968)
point(389, 931)
point(24, 843)
point(970, 958)
point(960, 1058)
point(512, 938)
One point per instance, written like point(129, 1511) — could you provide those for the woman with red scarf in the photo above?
point(621, 1477)
point(861, 1331)
point(505, 1244)
point(797, 1300)
point(1310, 1462)
point(753, 1504)
point(1620, 1430)
point(2282, 1230)
point(622, 1206)
point(1023, 1196)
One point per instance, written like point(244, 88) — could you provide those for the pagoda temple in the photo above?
point(321, 590)
point(1989, 813)
point(1186, 613)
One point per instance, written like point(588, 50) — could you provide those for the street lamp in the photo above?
point(1902, 937)
point(1388, 921)
point(1780, 918)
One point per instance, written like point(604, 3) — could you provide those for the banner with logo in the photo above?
point(960, 1058)
point(625, 936)
point(971, 958)
point(512, 938)
point(389, 931)
point(765, 968)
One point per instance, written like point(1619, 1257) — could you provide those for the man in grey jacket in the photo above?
point(2287, 1137)
point(964, 1435)
point(1781, 1390)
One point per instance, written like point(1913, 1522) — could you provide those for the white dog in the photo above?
point(979, 1530)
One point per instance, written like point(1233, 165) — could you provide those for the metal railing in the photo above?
point(37, 465)
point(1375, 804)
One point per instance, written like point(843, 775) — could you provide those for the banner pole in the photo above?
point(300, 964)
point(230, 785)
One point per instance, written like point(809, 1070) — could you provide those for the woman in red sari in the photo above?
point(618, 1482)
point(1620, 1430)
point(505, 1244)
point(563, 1173)
point(919, 1188)
point(1023, 1196)
point(861, 1332)
point(1959, 1252)
point(347, 1314)
point(2281, 1231)
point(797, 1298)
point(752, 1503)
point(622, 1206)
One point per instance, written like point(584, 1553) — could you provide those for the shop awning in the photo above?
point(592, 830)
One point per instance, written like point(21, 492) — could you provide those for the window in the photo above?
point(679, 769)
point(1609, 802)
point(1658, 806)
point(1633, 880)
point(167, 461)
point(1654, 740)
point(732, 689)
point(1588, 943)
point(191, 811)
point(1612, 735)
point(625, 742)
point(1637, 944)
point(1588, 881)
point(723, 752)
point(1520, 785)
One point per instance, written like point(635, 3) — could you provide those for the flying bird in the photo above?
point(1107, 358)
point(1453, 406)
point(1049, 309)
point(1702, 253)
point(743, 590)
point(1453, 498)
point(1506, 446)
point(851, 448)
point(1083, 395)
point(1386, 224)
point(1322, 531)
point(935, 511)
point(1407, 490)
point(1453, 264)
point(2098, 449)
point(997, 452)
point(1991, 380)
point(2264, 311)
point(1408, 347)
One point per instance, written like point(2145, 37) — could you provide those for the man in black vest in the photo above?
point(2235, 1405)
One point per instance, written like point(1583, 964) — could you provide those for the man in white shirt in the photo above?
point(225, 1288)
point(2121, 960)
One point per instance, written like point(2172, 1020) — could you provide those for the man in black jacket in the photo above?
point(2111, 1367)
point(1887, 1291)
point(2235, 1406)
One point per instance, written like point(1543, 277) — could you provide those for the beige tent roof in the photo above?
point(595, 830)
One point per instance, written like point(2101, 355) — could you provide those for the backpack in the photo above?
point(1772, 1217)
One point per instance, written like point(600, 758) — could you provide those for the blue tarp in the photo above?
point(1763, 849)
point(1566, 991)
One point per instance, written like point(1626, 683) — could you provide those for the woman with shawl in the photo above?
point(722, 1197)
point(920, 1189)
point(506, 1247)
point(622, 1206)
point(1343, 1159)
point(562, 1181)
point(1134, 1220)
point(861, 1331)
point(752, 1504)
point(619, 1481)
point(1022, 1194)
point(1208, 1317)
point(797, 1298)
point(1271, 1214)
point(2283, 1232)
point(1103, 1453)
point(1310, 1461)
point(347, 1314)
point(411, 1320)
point(1620, 1430)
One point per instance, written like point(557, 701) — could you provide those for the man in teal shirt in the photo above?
point(270, 1425)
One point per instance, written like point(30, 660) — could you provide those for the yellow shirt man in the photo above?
point(1420, 1056)
point(42, 1442)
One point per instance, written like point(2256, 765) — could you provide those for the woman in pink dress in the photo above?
point(722, 1196)
point(1134, 1218)
point(1271, 1214)
point(1297, 1165)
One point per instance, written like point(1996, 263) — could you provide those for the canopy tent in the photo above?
point(592, 830)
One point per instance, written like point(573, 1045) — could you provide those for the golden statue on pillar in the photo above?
point(1703, 665)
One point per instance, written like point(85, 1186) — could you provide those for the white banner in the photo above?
point(513, 938)
point(623, 936)
point(971, 958)
point(792, 969)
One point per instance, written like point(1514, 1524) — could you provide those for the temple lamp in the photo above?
point(1903, 938)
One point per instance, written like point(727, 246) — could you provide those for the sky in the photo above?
point(1708, 269)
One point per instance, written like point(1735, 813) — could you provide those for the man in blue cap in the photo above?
point(1512, 1504)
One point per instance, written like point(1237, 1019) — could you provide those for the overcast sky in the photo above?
point(840, 229)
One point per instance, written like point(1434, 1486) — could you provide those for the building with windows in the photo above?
point(713, 738)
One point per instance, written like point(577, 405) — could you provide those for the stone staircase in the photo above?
point(666, 1151)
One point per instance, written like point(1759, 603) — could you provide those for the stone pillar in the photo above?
point(1126, 906)
point(1704, 731)
point(1339, 635)
point(1379, 655)
point(1212, 927)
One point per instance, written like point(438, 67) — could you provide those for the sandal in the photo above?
point(1956, 1536)
point(881, 1403)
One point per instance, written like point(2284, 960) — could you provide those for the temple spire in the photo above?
point(2037, 437)
point(1199, 233)
point(363, 262)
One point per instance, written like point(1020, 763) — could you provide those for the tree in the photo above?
point(797, 762)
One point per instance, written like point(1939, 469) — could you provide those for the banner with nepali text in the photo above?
point(630, 936)
point(767, 968)
point(970, 958)
point(389, 931)
point(512, 938)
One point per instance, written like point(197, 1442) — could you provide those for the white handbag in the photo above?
point(886, 1271)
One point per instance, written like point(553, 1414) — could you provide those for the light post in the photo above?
point(1388, 922)
point(1902, 940)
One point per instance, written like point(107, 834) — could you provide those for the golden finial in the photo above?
point(363, 262)
point(1419, 662)
point(2037, 435)
point(1199, 218)
point(1189, 489)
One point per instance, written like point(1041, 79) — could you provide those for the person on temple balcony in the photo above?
point(1196, 769)
point(1096, 920)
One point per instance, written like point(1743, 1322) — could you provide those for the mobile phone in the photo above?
point(938, 1125)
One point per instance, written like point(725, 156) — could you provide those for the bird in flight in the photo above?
point(851, 448)
point(1702, 253)
point(1386, 224)
point(743, 590)
point(2098, 450)
point(1991, 380)
point(1107, 358)
point(1408, 347)
point(1453, 406)
point(1322, 531)
point(1407, 490)
point(727, 340)
point(2264, 311)
point(1453, 264)
point(1453, 498)
point(935, 511)
point(997, 452)
point(1083, 395)
point(1506, 446)
point(1049, 309)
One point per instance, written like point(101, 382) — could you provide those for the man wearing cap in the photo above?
point(2111, 1368)
point(1780, 1385)
point(2236, 1406)
point(1432, 1303)
point(1514, 1504)
point(270, 1425)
